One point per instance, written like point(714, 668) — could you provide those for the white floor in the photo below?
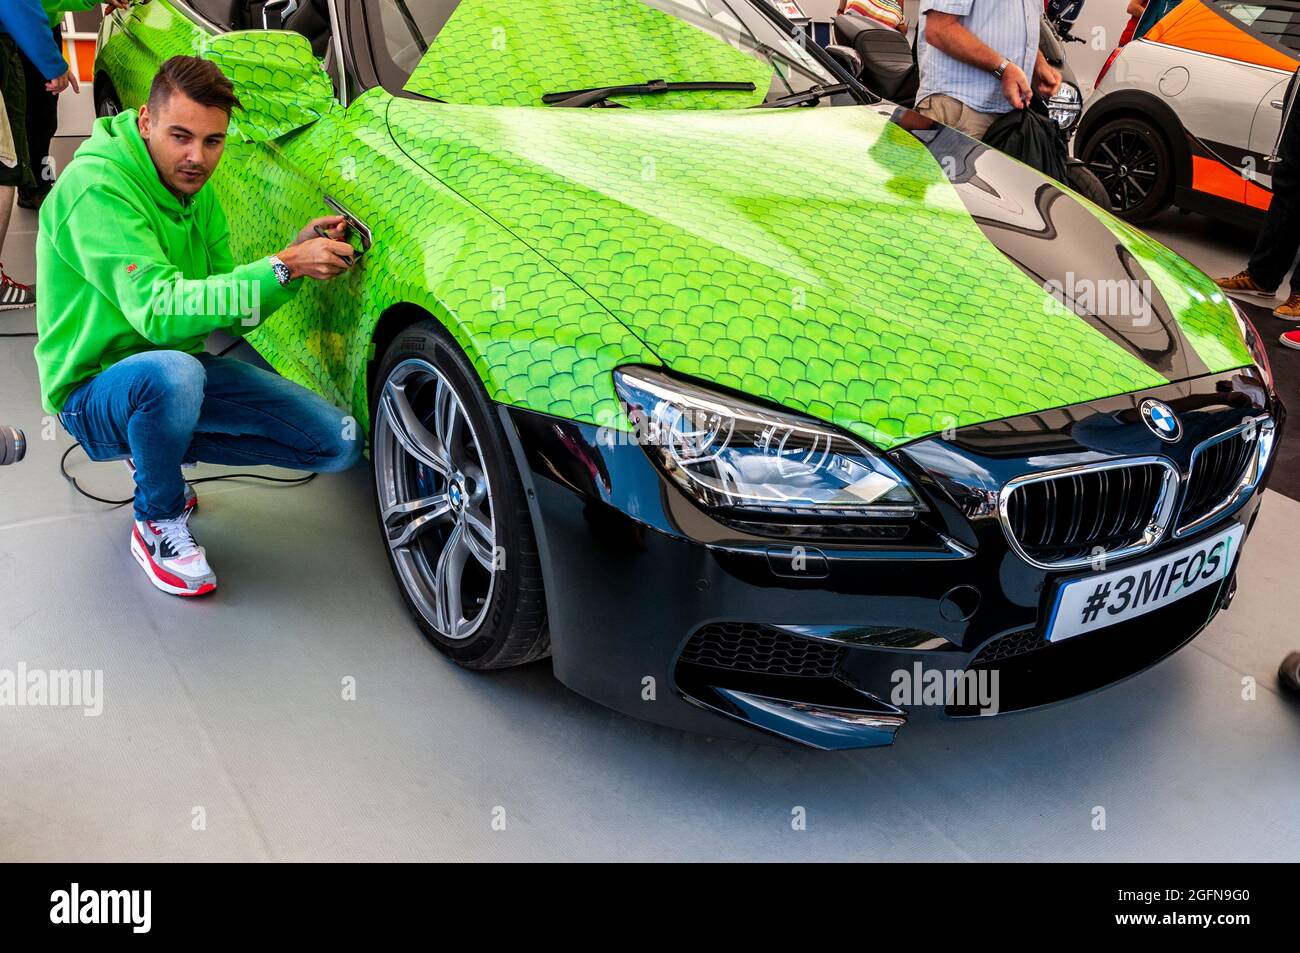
point(233, 706)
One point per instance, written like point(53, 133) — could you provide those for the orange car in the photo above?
point(1188, 111)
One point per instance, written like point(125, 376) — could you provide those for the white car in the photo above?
point(1188, 112)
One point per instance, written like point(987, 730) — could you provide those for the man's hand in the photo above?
point(117, 4)
point(1047, 79)
point(1015, 86)
point(57, 86)
point(945, 32)
point(335, 227)
point(319, 258)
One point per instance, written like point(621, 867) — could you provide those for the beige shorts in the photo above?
point(955, 113)
point(15, 166)
point(8, 152)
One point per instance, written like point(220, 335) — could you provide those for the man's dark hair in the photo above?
point(196, 78)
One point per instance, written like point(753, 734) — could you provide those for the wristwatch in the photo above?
point(281, 270)
point(1002, 68)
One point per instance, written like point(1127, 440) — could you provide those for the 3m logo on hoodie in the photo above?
point(132, 269)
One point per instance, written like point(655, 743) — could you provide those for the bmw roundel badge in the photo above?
point(1160, 417)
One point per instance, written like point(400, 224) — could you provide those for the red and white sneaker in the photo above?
point(166, 551)
point(15, 294)
point(1291, 339)
point(191, 498)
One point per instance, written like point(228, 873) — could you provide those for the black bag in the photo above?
point(1033, 137)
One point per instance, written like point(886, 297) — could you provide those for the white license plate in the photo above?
point(1103, 599)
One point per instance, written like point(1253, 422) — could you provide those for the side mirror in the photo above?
point(847, 57)
point(281, 84)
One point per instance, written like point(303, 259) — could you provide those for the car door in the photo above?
point(134, 42)
point(1264, 132)
point(1281, 24)
point(268, 190)
point(1278, 25)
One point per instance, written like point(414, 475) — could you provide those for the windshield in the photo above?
point(511, 53)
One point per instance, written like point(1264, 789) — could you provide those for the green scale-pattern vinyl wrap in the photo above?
point(845, 279)
point(157, 33)
point(535, 338)
point(279, 71)
point(507, 53)
point(815, 257)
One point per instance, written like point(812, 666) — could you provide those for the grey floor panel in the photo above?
point(234, 704)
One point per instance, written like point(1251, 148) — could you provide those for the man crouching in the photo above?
point(135, 270)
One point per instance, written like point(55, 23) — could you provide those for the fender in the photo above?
point(1149, 107)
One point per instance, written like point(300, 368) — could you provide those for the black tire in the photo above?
point(513, 629)
point(107, 102)
point(1135, 166)
point(1083, 181)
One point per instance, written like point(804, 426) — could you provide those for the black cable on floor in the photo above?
point(290, 481)
point(293, 481)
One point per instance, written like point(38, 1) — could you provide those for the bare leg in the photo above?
point(6, 211)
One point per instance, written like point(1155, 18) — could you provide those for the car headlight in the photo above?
point(729, 453)
point(1254, 343)
point(1065, 106)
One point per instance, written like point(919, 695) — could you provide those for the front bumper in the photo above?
point(661, 611)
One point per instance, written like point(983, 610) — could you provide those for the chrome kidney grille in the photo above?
point(1068, 518)
point(1224, 469)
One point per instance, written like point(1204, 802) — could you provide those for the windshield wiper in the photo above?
point(811, 95)
point(651, 87)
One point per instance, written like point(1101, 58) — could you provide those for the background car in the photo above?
point(739, 397)
point(1189, 110)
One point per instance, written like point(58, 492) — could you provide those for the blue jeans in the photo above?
point(165, 408)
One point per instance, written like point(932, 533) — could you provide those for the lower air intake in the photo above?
point(761, 649)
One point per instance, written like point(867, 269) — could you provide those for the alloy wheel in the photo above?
point(435, 498)
point(1128, 167)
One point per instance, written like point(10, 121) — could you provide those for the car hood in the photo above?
point(829, 260)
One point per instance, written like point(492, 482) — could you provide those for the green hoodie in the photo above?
point(123, 266)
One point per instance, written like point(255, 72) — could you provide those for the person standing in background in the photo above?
point(25, 27)
point(977, 58)
point(888, 12)
point(43, 105)
point(1135, 10)
point(1278, 241)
